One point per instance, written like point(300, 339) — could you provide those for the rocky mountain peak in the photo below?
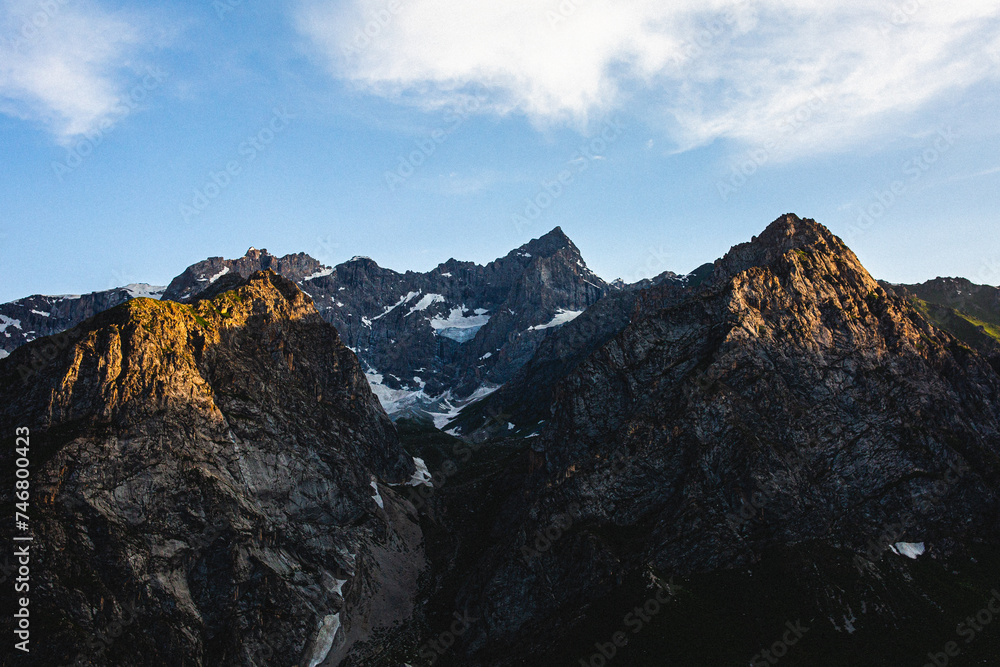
point(362, 262)
point(212, 471)
point(199, 277)
point(548, 245)
point(787, 233)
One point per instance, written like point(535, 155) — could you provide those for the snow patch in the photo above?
point(9, 322)
point(378, 496)
point(218, 275)
point(4, 354)
point(422, 475)
point(909, 549)
point(325, 271)
point(449, 408)
point(393, 400)
point(38, 312)
point(458, 326)
point(403, 299)
point(426, 302)
point(145, 291)
point(561, 317)
point(324, 639)
point(451, 411)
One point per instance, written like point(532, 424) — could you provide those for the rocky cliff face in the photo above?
point(212, 483)
point(425, 339)
point(442, 334)
point(199, 277)
point(788, 404)
point(524, 402)
point(776, 453)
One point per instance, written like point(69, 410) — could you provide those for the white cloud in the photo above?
point(749, 70)
point(66, 63)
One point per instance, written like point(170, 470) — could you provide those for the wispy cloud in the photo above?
point(701, 69)
point(66, 64)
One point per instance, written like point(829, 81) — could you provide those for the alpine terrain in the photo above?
point(773, 459)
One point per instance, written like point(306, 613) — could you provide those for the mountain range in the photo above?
point(427, 340)
point(275, 462)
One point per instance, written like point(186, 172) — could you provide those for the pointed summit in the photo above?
point(789, 232)
point(547, 245)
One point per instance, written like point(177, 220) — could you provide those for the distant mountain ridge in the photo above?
point(436, 339)
point(24, 320)
point(425, 339)
point(775, 443)
point(967, 311)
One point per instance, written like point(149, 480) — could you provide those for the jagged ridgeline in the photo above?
point(212, 484)
point(773, 460)
point(777, 441)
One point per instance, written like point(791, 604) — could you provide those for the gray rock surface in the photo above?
point(204, 480)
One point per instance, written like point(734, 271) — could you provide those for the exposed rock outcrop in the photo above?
point(212, 485)
point(790, 401)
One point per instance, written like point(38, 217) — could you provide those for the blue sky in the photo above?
point(137, 139)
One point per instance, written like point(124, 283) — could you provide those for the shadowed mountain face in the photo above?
point(461, 326)
point(776, 451)
point(211, 485)
point(789, 403)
